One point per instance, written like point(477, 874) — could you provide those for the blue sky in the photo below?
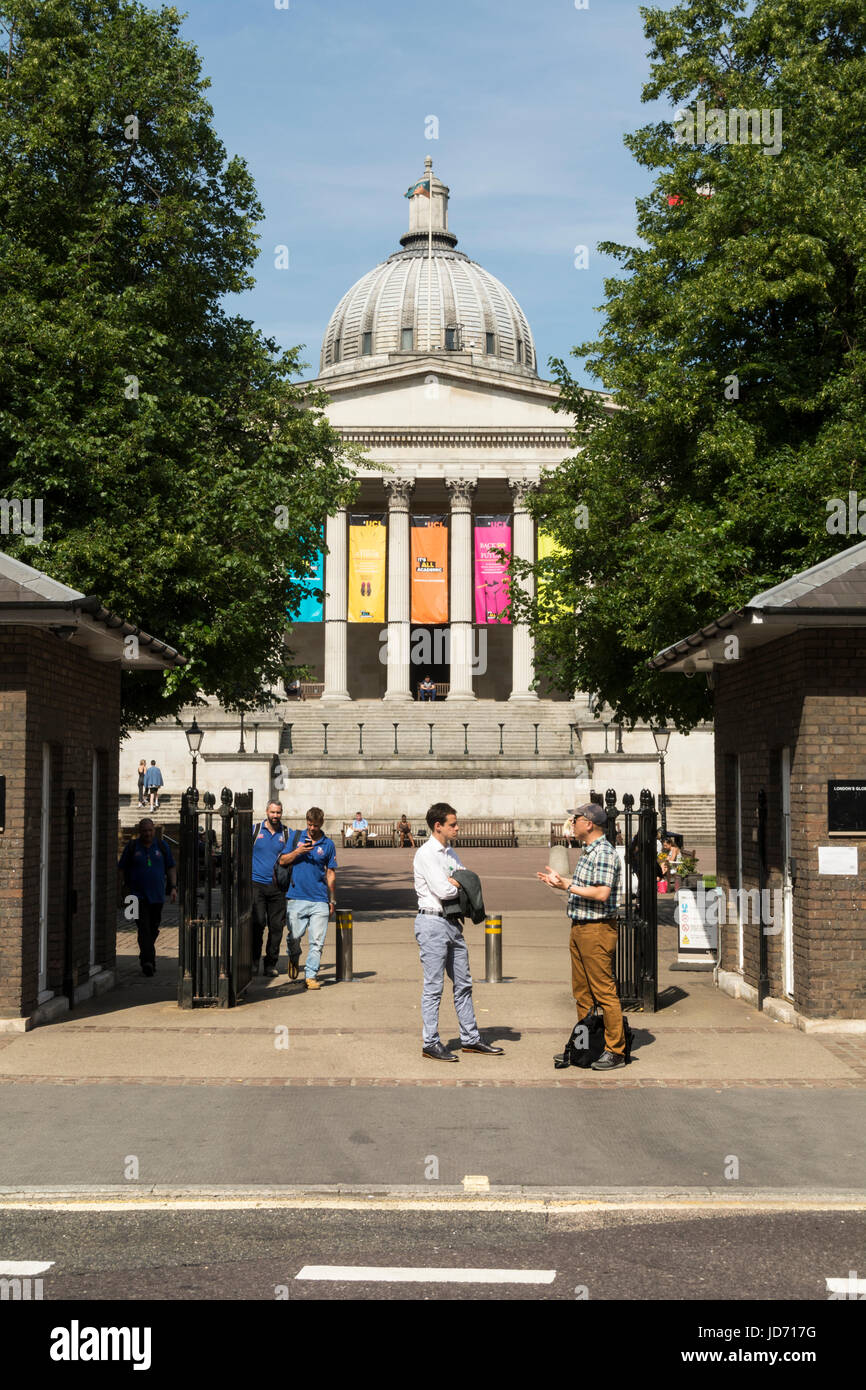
point(327, 101)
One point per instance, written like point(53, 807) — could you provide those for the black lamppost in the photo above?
point(661, 737)
point(194, 736)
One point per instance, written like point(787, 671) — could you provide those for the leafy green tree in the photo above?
point(732, 348)
point(183, 474)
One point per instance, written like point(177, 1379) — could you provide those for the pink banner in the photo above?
point(491, 579)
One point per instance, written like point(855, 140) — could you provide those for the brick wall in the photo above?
point(806, 692)
point(53, 692)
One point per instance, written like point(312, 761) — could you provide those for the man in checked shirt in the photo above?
point(593, 900)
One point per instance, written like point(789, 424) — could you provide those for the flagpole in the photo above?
point(429, 163)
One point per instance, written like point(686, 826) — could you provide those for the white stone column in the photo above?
point(522, 644)
point(461, 490)
point(399, 490)
point(336, 590)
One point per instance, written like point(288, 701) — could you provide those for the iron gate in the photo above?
point(637, 949)
point(215, 928)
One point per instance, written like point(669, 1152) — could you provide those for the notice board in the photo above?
point(846, 807)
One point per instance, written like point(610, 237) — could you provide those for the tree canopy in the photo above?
point(183, 474)
point(732, 347)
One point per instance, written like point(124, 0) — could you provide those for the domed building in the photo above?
point(430, 367)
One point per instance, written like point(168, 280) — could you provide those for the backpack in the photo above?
point(586, 1042)
point(282, 874)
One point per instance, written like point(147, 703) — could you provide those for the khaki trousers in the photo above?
point(593, 959)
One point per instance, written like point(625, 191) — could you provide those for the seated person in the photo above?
point(427, 689)
point(403, 833)
point(359, 830)
point(671, 850)
point(294, 691)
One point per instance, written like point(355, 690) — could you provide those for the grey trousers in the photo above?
point(442, 949)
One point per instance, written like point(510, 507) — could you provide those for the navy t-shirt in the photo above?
point(267, 848)
point(309, 883)
point(145, 869)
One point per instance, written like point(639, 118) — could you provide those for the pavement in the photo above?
point(193, 1095)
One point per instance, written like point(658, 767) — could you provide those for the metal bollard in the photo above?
point(344, 945)
point(493, 950)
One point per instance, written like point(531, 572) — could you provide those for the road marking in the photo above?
point(476, 1182)
point(852, 1286)
point(393, 1274)
point(24, 1268)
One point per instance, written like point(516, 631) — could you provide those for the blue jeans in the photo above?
point(302, 914)
point(443, 950)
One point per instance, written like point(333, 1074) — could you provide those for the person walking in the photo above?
point(142, 768)
point(440, 939)
point(270, 840)
point(147, 864)
point(152, 783)
point(311, 898)
point(594, 895)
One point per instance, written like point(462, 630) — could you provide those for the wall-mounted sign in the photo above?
point(837, 859)
point(846, 807)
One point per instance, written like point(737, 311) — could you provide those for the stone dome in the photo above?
point(399, 310)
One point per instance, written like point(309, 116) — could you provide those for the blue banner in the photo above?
point(311, 608)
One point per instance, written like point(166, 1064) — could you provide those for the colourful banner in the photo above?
point(310, 608)
point(491, 573)
point(368, 546)
point(549, 547)
point(429, 570)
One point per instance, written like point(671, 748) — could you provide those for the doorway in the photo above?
point(787, 879)
point(430, 655)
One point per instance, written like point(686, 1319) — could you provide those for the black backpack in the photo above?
point(282, 874)
point(586, 1042)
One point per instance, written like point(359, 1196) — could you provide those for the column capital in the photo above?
point(399, 491)
point(521, 489)
point(461, 490)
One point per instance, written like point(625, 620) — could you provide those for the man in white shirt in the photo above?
point(440, 939)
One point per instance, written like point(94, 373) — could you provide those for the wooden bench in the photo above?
point(557, 835)
point(305, 690)
point(489, 834)
point(442, 688)
point(382, 834)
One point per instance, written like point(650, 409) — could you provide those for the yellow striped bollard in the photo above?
point(344, 945)
point(493, 949)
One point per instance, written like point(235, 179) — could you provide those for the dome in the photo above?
point(400, 309)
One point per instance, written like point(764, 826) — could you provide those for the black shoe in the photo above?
point(483, 1047)
point(438, 1052)
point(148, 969)
point(608, 1061)
point(271, 971)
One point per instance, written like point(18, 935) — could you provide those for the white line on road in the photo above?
point(852, 1286)
point(393, 1274)
point(24, 1269)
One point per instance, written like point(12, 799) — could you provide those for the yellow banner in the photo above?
point(368, 547)
point(549, 547)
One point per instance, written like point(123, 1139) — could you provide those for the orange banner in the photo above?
point(429, 572)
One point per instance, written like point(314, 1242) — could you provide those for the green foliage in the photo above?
point(703, 490)
point(162, 435)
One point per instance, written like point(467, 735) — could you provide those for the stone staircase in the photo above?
point(694, 817)
point(460, 730)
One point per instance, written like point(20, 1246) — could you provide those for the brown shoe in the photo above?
point(312, 983)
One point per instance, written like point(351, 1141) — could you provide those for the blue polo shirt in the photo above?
point(267, 848)
point(145, 869)
point(309, 884)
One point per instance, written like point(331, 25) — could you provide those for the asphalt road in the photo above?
point(596, 1256)
point(796, 1139)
